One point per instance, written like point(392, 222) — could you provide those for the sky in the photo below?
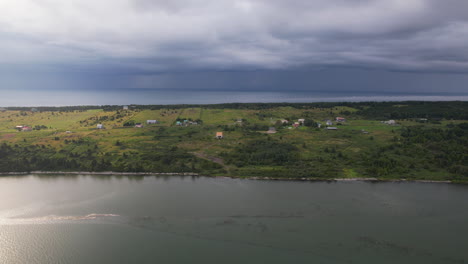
point(352, 46)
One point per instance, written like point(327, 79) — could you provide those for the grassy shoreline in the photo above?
point(404, 140)
point(113, 173)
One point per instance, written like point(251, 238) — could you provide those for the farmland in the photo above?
point(428, 141)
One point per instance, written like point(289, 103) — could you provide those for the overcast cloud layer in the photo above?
point(168, 36)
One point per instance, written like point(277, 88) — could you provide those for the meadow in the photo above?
point(422, 144)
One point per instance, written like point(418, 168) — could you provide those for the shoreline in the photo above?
point(110, 173)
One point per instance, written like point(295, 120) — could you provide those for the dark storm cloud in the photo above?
point(154, 42)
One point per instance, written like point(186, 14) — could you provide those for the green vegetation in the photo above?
point(428, 142)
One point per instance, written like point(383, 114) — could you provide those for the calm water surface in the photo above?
point(59, 97)
point(117, 219)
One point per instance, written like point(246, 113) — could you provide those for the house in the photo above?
point(332, 128)
point(68, 132)
point(19, 128)
point(34, 110)
point(340, 119)
point(329, 123)
point(319, 125)
point(178, 123)
point(239, 121)
point(296, 124)
point(151, 122)
point(301, 121)
point(284, 121)
point(26, 128)
point(219, 135)
point(100, 126)
point(271, 130)
point(139, 125)
point(390, 122)
point(2, 109)
point(125, 107)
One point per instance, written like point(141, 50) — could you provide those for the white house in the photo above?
point(151, 122)
point(125, 107)
point(301, 121)
point(390, 122)
point(332, 128)
point(100, 126)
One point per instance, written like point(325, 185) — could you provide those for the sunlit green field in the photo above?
point(75, 134)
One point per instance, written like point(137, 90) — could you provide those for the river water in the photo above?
point(120, 219)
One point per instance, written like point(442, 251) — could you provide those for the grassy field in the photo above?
point(341, 153)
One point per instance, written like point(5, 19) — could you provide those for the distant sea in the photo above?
point(190, 96)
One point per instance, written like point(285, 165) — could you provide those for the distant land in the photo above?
point(408, 140)
point(63, 97)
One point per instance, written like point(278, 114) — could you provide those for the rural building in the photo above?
point(151, 122)
point(100, 126)
point(139, 125)
point(2, 109)
point(296, 124)
point(329, 123)
point(219, 135)
point(125, 107)
point(301, 121)
point(271, 130)
point(284, 121)
point(19, 128)
point(340, 119)
point(34, 110)
point(319, 125)
point(390, 122)
point(26, 128)
point(332, 128)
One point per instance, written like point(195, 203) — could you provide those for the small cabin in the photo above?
point(125, 107)
point(271, 130)
point(332, 128)
point(26, 128)
point(100, 126)
point(148, 122)
point(219, 135)
point(301, 121)
point(139, 125)
point(340, 119)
